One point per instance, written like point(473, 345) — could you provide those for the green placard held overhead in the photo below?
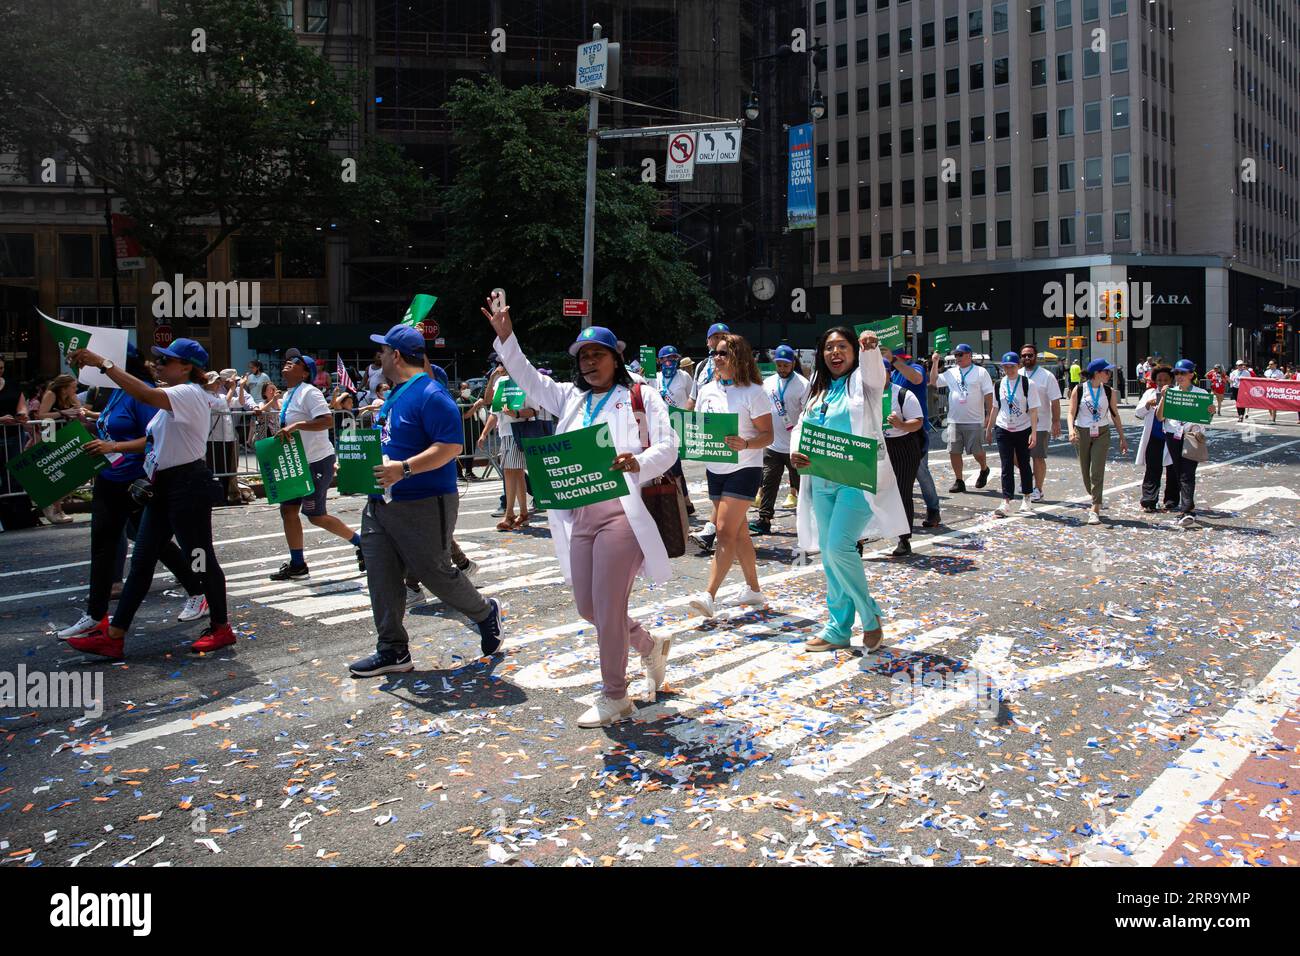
point(420, 306)
point(283, 464)
point(649, 362)
point(49, 470)
point(839, 456)
point(942, 341)
point(573, 469)
point(890, 333)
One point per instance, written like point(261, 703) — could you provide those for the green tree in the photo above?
point(514, 213)
point(205, 113)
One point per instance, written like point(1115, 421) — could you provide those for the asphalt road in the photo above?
point(1052, 693)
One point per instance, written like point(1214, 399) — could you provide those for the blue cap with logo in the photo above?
point(401, 338)
point(783, 353)
point(1099, 365)
point(309, 363)
point(187, 350)
point(1010, 358)
point(962, 348)
point(1185, 365)
point(668, 351)
point(718, 328)
point(597, 335)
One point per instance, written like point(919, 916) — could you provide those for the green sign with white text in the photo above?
point(839, 456)
point(1188, 406)
point(573, 469)
point(890, 333)
point(49, 470)
point(701, 436)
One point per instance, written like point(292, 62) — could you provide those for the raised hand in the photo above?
point(868, 340)
point(500, 319)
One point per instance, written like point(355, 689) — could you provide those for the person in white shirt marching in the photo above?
point(1239, 371)
point(1179, 439)
point(1050, 389)
point(305, 411)
point(1015, 416)
point(1275, 373)
point(786, 390)
point(1092, 407)
point(904, 439)
point(602, 547)
point(704, 374)
point(845, 395)
point(736, 388)
point(677, 389)
point(970, 398)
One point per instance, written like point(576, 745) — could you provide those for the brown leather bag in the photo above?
point(662, 496)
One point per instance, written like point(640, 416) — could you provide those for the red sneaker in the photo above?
point(213, 638)
point(98, 642)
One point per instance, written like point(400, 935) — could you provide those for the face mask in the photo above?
point(671, 366)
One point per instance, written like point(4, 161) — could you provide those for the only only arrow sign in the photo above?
point(1243, 499)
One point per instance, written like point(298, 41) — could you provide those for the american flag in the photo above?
point(345, 380)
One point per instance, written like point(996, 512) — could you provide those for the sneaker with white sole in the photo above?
point(1187, 521)
point(791, 501)
point(656, 662)
point(470, 568)
point(703, 603)
point(747, 597)
point(195, 607)
point(1036, 494)
point(81, 628)
point(605, 712)
point(1026, 506)
point(1003, 509)
point(1093, 518)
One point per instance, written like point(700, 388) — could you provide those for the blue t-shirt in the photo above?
point(124, 419)
point(919, 390)
point(421, 415)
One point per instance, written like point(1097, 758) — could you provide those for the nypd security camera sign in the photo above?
point(593, 65)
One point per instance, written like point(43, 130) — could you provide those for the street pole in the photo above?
point(589, 214)
point(117, 294)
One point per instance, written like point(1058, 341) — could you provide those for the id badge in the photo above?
point(1094, 431)
point(961, 398)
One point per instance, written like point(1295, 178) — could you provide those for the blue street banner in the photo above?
point(801, 201)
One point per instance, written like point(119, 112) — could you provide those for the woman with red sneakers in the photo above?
point(178, 493)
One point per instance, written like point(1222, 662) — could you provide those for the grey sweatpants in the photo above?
point(413, 537)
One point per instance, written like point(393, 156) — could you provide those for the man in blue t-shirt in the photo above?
point(421, 435)
point(912, 376)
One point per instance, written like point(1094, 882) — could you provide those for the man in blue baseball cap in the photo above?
point(970, 397)
point(677, 389)
point(421, 435)
point(914, 376)
point(787, 390)
point(704, 374)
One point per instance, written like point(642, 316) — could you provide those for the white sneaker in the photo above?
point(1187, 521)
point(656, 662)
point(605, 712)
point(748, 597)
point(470, 569)
point(703, 602)
point(195, 607)
point(1026, 506)
point(1003, 509)
point(80, 629)
point(1093, 518)
point(791, 501)
point(1036, 494)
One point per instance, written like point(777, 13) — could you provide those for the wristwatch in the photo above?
point(406, 469)
point(108, 364)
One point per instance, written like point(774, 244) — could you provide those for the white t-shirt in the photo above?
point(1013, 407)
point(1050, 389)
point(254, 383)
point(180, 436)
point(907, 406)
point(1091, 414)
point(679, 391)
point(374, 377)
point(748, 402)
point(1272, 373)
point(966, 398)
point(305, 403)
point(785, 412)
point(221, 424)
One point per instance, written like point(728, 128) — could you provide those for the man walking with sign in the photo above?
point(1184, 436)
point(421, 434)
point(303, 410)
point(970, 397)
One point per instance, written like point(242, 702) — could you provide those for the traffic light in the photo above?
point(1103, 335)
point(1069, 323)
point(1079, 342)
point(1056, 342)
point(1105, 305)
point(1110, 335)
point(914, 290)
point(1119, 304)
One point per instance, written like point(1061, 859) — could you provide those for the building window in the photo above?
point(954, 188)
point(302, 259)
point(886, 245)
point(864, 99)
point(842, 152)
point(823, 155)
point(975, 23)
point(979, 232)
point(931, 188)
point(928, 86)
point(1119, 56)
point(1092, 172)
point(1092, 228)
point(1062, 13)
point(841, 9)
point(1037, 19)
point(885, 145)
point(1123, 226)
point(907, 142)
point(1065, 121)
point(1002, 125)
point(953, 133)
point(863, 49)
point(286, 13)
point(17, 255)
point(908, 194)
point(1065, 176)
point(952, 81)
point(909, 238)
point(318, 16)
point(841, 55)
point(927, 35)
point(823, 245)
point(1039, 125)
point(1092, 117)
point(864, 148)
point(954, 238)
point(842, 103)
point(253, 259)
point(999, 18)
point(905, 40)
point(932, 241)
point(823, 204)
point(1064, 67)
point(1091, 10)
point(842, 248)
point(977, 129)
point(977, 76)
point(1119, 112)
point(1040, 179)
point(819, 19)
point(864, 196)
point(1038, 72)
point(930, 136)
point(977, 182)
point(886, 195)
point(1065, 231)
point(1004, 232)
point(1001, 71)
point(882, 95)
point(950, 30)
point(76, 256)
point(864, 247)
point(905, 90)
point(882, 45)
point(1003, 175)
point(1119, 169)
point(1041, 233)
point(1091, 62)
point(1118, 8)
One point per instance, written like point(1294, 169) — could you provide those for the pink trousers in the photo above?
point(604, 557)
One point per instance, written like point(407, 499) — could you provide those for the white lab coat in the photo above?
point(865, 388)
point(566, 402)
point(1146, 410)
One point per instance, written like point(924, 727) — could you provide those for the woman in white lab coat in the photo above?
point(1153, 452)
point(602, 547)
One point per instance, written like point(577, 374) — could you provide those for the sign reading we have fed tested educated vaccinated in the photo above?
point(702, 436)
point(574, 468)
point(283, 465)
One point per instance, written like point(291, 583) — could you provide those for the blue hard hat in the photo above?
point(187, 350)
point(597, 335)
point(783, 353)
point(403, 339)
point(668, 351)
point(1185, 365)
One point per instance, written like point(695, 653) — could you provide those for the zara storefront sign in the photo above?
point(965, 307)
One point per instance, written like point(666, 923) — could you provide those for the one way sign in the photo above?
point(717, 146)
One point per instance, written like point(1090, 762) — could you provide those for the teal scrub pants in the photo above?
point(842, 517)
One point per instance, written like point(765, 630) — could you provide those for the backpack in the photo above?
point(1024, 382)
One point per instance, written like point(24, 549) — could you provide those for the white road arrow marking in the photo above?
point(1245, 497)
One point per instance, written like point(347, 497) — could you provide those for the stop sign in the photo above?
point(162, 335)
point(429, 329)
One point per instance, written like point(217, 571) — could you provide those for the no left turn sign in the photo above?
point(681, 158)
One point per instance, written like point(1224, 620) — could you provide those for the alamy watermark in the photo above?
point(1084, 299)
point(195, 299)
point(65, 690)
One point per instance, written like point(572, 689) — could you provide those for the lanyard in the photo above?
point(833, 394)
point(708, 367)
point(964, 372)
point(781, 385)
point(1096, 402)
point(1010, 392)
point(589, 416)
point(102, 422)
point(392, 396)
point(284, 403)
point(667, 382)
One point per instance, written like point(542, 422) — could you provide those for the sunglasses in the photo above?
point(717, 352)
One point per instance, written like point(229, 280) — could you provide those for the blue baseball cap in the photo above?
point(717, 328)
point(132, 351)
point(783, 353)
point(440, 374)
point(1185, 365)
point(597, 335)
point(1009, 358)
point(309, 363)
point(187, 350)
point(966, 348)
point(1099, 365)
point(668, 351)
point(401, 338)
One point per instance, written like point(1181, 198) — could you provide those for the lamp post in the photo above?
point(905, 252)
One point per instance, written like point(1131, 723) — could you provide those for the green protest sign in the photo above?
point(649, 361)
point(701, 435)
point(573, 469)
point(886, 405)
point(839, 456)
point(942, 341)
point(507, 395)
point(1188, 406)
point(766, 368)
point(420, 306)
point(890, 333)
point(283, 464)
point(49, 470)
point(359, 454)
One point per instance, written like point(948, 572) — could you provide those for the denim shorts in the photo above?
point(742, 484)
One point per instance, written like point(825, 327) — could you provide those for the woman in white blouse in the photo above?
point(602, 547)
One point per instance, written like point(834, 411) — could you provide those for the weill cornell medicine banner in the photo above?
point(801, 199)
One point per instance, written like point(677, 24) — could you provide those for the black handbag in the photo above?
point(533, 428)
point(662, 496)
